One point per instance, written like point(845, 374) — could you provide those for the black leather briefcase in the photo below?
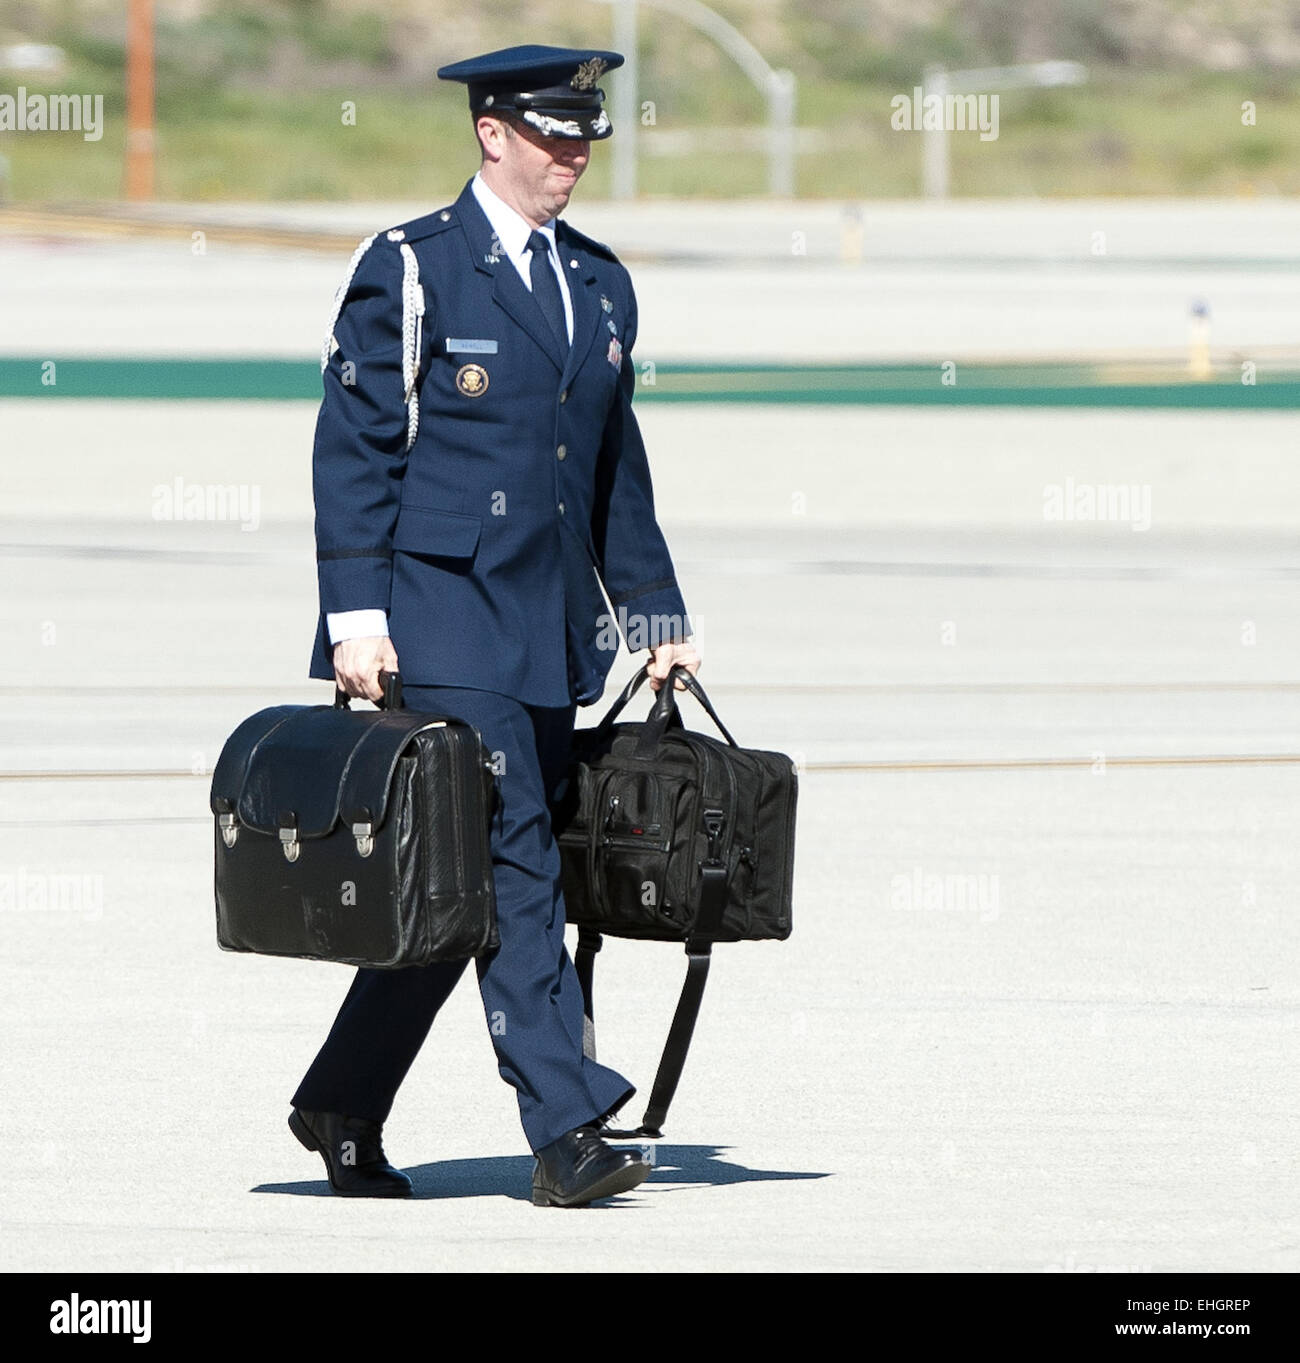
point(355, 836)
point(670, 835)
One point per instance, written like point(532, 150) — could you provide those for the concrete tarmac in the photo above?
point(1039, 1011)
point(759, 282)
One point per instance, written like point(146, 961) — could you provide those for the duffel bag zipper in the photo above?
point(630, 835)
point(747, 858)
point(638, 836)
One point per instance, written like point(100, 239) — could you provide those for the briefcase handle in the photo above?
point(391, 699)
point(665, 705)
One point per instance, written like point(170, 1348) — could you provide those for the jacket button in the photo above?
point(561, 451)
point(561, 508)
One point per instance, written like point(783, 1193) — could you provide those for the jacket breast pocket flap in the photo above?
point(437, 534)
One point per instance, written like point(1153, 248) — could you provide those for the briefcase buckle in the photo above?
point(365, 841)
point(229, 825)
point(289, 843)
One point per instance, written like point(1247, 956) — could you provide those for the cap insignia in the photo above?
point(588, 74)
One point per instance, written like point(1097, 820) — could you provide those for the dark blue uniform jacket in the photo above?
point(527, 485)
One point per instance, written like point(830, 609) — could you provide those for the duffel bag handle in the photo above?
point(391, 699)
point(626, 695)
point(666, 702)
point(628, 692)
point(692, 684)
point(663, 714)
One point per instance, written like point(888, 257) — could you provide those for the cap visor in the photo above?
point(583, 125)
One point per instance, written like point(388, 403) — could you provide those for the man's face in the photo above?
point(540, 172)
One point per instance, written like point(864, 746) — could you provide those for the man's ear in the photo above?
point(491, 133)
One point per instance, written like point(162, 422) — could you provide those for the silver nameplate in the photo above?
point(471, 347)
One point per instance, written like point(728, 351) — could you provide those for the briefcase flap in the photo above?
point(307, 766)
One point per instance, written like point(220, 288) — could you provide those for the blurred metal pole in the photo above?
point(139, 100)
point(986, 79)
point(778, 89)
point(626, 111)
point(780, 103)
point(934, 141)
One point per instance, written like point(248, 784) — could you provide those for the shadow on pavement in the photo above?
point(512, 1175)
point(700, 1164)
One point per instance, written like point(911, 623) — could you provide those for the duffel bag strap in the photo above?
point(699, 955)
point(584, 959)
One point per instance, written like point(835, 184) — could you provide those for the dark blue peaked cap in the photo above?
point(553, 89)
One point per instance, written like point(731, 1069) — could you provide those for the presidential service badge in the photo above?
point(472, 380)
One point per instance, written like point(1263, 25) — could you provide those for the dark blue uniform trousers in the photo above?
point(529, 987)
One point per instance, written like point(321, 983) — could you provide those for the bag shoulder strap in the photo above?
point(699, 955)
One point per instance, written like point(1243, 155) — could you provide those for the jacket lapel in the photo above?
point(508, 291)
point(519, 302)
point(588, 316)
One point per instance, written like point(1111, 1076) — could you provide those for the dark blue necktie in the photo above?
point(546, 289)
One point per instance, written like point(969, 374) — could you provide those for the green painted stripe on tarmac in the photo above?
point(159, 379)
point(1029, 385)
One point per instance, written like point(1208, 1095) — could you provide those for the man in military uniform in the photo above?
point(478, 476)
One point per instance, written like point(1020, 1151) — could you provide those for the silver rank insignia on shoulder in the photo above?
point(396, 234)
point(605, 304)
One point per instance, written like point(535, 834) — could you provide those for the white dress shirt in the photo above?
point(512, 231)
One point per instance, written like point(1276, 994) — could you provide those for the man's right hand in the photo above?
point(358, 663)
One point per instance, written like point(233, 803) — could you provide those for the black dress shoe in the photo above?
point(361, 1171)
point(580, 1168)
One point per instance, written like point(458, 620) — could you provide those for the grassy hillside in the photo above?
point(251, 99)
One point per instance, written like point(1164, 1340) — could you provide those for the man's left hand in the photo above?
point(667, 656)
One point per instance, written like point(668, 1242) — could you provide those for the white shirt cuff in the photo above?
point(367, 624)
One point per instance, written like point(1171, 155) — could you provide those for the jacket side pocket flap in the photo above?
point(427, 530)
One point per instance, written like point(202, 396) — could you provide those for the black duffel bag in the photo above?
point(355, 836)
point(673, 836)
